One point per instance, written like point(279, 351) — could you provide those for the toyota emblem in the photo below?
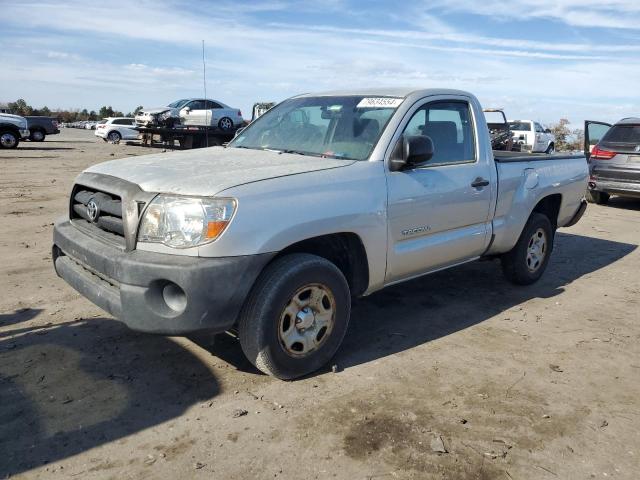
point(93, 210)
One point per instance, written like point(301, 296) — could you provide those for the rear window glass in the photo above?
point(623, 134)
point(526, 126)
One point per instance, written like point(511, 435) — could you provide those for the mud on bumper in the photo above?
point(152, 292)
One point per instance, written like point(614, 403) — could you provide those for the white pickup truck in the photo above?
point(323, 198)
point(532, 137)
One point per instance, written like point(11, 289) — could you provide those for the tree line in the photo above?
point(21, 107)
point(567, 139)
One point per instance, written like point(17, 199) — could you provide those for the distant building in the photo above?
point(4, 108)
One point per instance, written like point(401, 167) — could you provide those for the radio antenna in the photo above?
point(204, 83)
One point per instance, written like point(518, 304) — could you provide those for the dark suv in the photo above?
point(613, 153)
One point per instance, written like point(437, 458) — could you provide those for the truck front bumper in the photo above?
point(153, 292)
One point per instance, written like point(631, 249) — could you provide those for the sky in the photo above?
point(537, 59)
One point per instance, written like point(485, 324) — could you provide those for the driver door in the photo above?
point(439, 212)
point(593, 133)
point(540, 138)
point(194, 113)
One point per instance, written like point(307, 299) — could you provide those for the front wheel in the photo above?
point(296, 316)
point(527, 261)
point(9, 139)
point(551, 149)
point(600, 198)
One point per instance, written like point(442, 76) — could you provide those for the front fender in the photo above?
point(273, 214)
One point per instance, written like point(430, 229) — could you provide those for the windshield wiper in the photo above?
point(300, 152)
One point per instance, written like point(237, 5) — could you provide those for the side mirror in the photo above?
point(411, 151)
point(547, 131)
point(186, 110)
point(239, 131)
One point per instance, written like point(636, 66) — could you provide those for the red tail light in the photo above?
point(601, 154)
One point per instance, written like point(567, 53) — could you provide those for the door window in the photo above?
point(596, 131)
point(211, 105)
point(449, 126)
point(196, 105)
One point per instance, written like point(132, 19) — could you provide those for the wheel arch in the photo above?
point(345, 250)
point(550, 207)
point(10, 126)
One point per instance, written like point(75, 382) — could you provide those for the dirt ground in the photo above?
point(538, 382)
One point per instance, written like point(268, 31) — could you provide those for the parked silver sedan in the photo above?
point(192, 111)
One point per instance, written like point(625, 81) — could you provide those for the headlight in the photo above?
point(182, 222)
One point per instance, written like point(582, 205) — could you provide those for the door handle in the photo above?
point(480, 182)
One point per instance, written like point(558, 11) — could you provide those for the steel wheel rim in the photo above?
point(8, 140)
point(536, 250)
point(114, 137)
point(307, 320)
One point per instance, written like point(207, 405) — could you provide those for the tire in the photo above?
point(601, 198)
point(527, 261)
point(272, 338)
point(225, 124)
point(9, 139)
point(37, 135)
point(551, 149)
point(114, 137)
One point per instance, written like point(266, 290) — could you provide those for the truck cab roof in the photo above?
point(402, 92)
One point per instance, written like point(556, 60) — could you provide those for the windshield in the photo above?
point(520, 126)
point(337, 127)
point(178, 103)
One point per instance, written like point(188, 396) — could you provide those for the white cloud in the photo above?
point(617, 14)
point(150, 54)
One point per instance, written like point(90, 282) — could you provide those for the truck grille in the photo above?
point(99, 209)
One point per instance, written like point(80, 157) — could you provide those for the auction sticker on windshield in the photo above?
point(379, 102)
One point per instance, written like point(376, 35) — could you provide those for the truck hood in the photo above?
point(208, 171)
point(13, 118)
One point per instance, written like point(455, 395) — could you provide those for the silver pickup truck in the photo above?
point(323, 198)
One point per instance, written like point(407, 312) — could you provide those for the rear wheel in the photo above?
point(527, 261)
point(601, 198)
point(225, 124)
point(114, 137)
point(296, 316)
point(9, 139)
point(37, 135)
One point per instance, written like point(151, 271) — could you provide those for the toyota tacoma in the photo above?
point(324, 198)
